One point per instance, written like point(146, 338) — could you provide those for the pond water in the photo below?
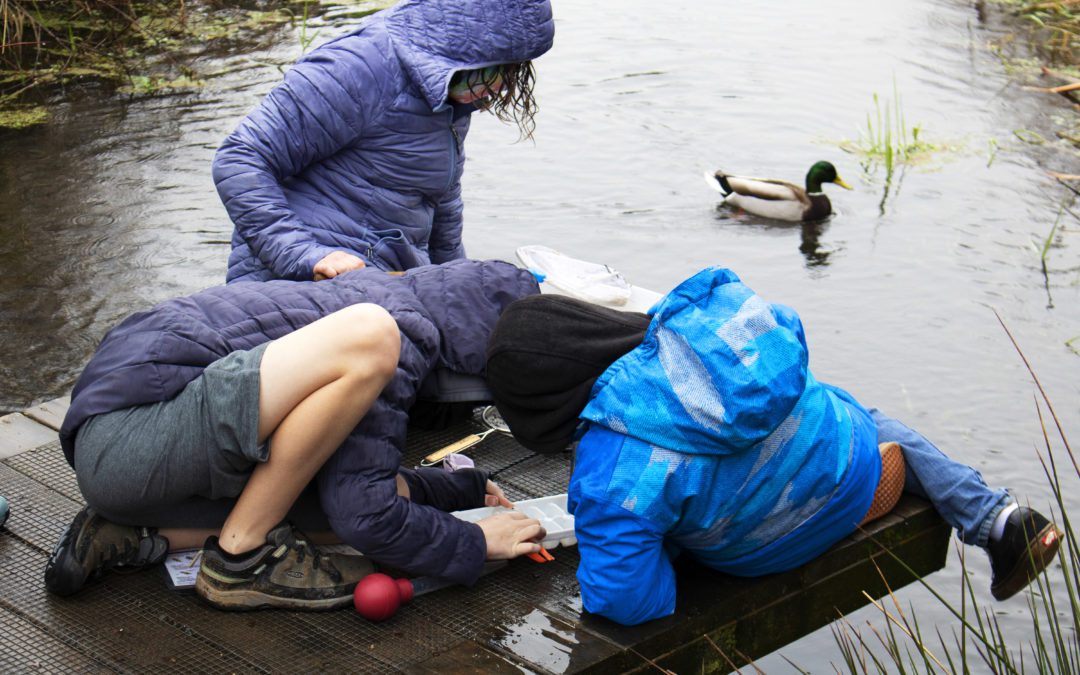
point(110, 208)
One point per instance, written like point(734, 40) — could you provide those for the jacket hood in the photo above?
point(719, 370)
point(435, 38)
point(466, 307)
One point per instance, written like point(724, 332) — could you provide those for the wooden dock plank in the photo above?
point(809, 605)
point(50, 413)
point(19, 433)
point(758, 615)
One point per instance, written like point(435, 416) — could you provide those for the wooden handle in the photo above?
point(457, 446)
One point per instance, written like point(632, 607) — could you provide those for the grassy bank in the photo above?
point(1042, 46)
point(141, 46)
point(1051, 28)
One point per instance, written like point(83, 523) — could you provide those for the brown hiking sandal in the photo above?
point(287, 572)
point(1027, 547)
point(92, 545)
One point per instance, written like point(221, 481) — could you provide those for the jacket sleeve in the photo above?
point(358, 492)
point(445, 243)
point(446, 490)
point(319, 109)
point(625, 573)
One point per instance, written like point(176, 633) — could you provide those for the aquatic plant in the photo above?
point(889, 143)
point(1074, 344)
point(1048, 241)
point(23, 116)
point(887, 139)
point(978, 641)
point(1054, 26)
point(1030, 137)
point(305, 39)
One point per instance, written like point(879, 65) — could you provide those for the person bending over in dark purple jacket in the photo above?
point(356, 158)
point(209, 415)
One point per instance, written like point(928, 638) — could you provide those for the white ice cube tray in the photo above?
point(550, 511)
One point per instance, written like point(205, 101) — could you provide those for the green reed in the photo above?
point(887, 138)
point(977, 642)
point(142, 47)
point(1074, 344)
point(1054, 26)
point(887, 142)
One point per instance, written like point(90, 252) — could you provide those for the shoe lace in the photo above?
point(117, 555)
point(304, 548)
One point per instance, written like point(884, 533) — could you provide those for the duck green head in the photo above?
point(823, 172)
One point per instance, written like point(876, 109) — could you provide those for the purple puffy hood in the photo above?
point(435, 38)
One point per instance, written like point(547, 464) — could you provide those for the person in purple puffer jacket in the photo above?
point(356, 158)
point(206, 417)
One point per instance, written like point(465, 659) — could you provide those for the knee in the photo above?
point(372, 340)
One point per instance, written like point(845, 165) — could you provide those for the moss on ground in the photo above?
point(140, 47)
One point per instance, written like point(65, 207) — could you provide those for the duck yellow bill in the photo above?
point(840, 181)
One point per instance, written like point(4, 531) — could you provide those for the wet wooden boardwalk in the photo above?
point(524, 617)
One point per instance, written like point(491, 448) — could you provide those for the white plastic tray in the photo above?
point(550, 511)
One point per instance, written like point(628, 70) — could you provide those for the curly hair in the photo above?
point(515, 102)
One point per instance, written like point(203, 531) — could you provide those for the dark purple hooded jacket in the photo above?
point(445, 313)
point(358, 149)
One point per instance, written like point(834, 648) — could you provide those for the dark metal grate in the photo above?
point(27, 647)
point(46, 464)
point(105, 623)
point(39, 514)
point(131, 622)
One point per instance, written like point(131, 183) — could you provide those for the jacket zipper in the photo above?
point(455, 143)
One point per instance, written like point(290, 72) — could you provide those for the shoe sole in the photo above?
point(1036, 558)
point(249, 600)
point(63, 574)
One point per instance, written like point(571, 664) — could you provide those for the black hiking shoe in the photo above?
point(286, 572)
point(91, 546)
point(1027, 546)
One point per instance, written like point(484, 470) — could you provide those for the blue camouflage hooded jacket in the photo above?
point(712, 438)
point(358, 149)
point(445, 313)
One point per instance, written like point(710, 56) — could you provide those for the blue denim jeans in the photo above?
point(956, 490)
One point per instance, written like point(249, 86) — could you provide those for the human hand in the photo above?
point(337, 262)
point(511, 534)
point(495, 497)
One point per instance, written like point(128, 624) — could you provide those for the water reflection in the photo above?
point(812, 244)
point(557, 647)
point(110, 208)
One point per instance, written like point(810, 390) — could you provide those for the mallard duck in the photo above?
point(780, 199)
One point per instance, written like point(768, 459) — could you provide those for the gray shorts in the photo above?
point(182, 462)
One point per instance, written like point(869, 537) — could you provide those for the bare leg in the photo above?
point(184, 538)
point(181, 538)
point(316, 385)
